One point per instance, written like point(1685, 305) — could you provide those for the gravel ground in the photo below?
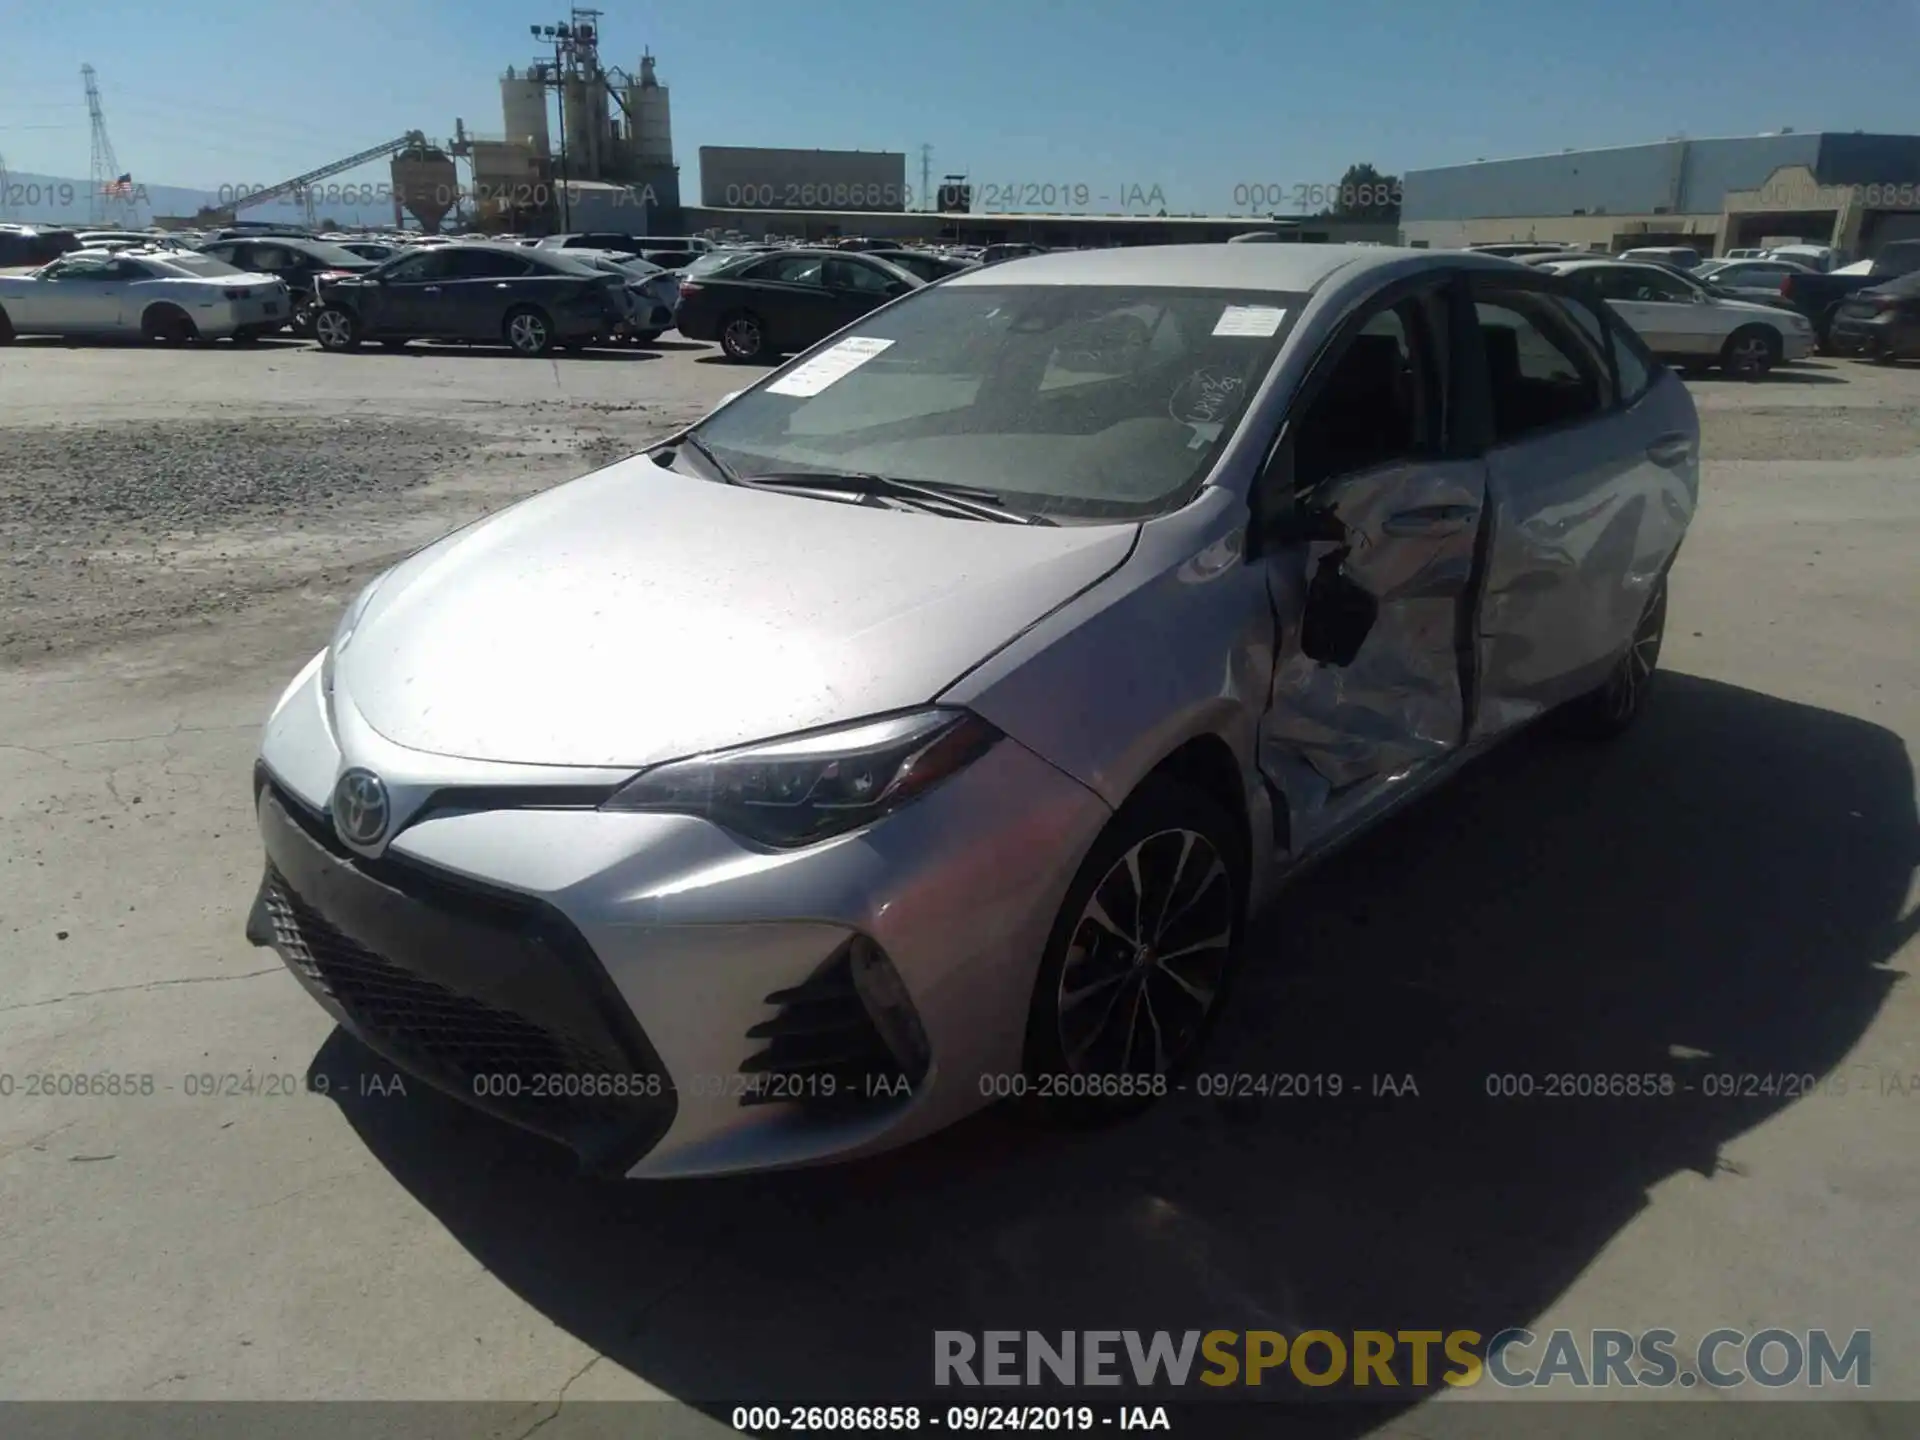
point(110, 531)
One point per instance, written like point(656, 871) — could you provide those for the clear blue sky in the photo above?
point(1195, 96)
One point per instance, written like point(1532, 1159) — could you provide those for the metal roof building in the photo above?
point(1853, 191)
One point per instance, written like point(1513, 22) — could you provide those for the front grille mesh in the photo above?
point(433, 1028)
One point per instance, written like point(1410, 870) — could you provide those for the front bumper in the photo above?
point(671, 996)
point(1890, 334)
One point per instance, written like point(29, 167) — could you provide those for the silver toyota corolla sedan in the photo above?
point(923, 725)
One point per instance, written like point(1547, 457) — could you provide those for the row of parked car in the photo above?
point(533, 295)
point(1748, 312)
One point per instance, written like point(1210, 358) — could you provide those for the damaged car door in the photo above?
point(1592, 475)
point(1367, 517)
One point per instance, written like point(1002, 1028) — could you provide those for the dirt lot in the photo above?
point(177, 533)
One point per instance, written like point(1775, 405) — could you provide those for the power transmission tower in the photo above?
point(112, 197)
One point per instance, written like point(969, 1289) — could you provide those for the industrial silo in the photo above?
point(426, 183)
point(523, 106)
point(651, 120)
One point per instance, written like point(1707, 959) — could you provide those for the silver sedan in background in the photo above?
point(170, 297)
point(923, 725)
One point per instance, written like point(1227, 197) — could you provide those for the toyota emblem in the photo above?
point(360, 808)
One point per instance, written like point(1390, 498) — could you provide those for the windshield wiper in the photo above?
point(967, 499)
point(705, 452)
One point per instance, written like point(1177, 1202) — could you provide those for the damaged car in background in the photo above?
point(940, 709)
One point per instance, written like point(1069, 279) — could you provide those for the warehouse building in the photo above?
point(753, 177)
point(1853, 191)
point(1056, 232)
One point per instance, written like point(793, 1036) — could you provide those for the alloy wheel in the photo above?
point(1147, 957)
point(333, 329)
point(1750, 355)
point(741, 338)
point(527, 333)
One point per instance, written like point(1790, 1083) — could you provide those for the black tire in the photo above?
point(527, 331)
point(336, 328)
point(1127, 1064)
point(646, 337)
point(245, 337)
point(168, 325)
point(1751, 351)
point(743, 336)
point(1610, 708)
point(6, 329)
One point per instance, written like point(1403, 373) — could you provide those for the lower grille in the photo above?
point(824, 1049)
point(456, 1035)
point(490, 996)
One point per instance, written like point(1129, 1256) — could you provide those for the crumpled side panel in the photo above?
point(1399, 702)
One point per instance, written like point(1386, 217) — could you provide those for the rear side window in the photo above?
point(1544, 369)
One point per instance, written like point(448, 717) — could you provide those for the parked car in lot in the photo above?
point(934, 713)
point(769, 305)
point(374, 250)
point(1819, 296)
point(1881, 322)
point(926, 264)
point(1754, 280)
point(1680, 257)
point(27, 247)
point(506, 295)
point(158, 295)
point(297, 263)
point(1009, 250)
point(1684, 322)
point(651, 293)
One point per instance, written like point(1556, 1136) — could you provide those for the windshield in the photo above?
point(1075, 402)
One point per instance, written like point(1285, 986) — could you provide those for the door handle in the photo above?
point(1671, 450)
point(1430, 521)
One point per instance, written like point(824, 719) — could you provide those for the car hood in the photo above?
point(636, 614)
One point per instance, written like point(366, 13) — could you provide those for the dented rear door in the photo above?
point(1590, 485)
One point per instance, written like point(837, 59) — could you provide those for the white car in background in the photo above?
point(163, 296)
point(1683, 322)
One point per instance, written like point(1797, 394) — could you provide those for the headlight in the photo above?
point(793, 792)
point(343, 632)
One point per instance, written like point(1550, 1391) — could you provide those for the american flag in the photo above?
point(121, 186)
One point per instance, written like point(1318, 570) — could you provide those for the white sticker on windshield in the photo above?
point(828, 366)
point(1254, 321)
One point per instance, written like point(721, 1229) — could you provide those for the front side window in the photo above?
point(101, 269)
point(1377, 404)
point(852, 275)
point(483, 265)
point(1645, 285)
point(1543, 369)
point(1077, 402)
point(791, 269)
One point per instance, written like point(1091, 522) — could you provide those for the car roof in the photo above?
point(1226, 266)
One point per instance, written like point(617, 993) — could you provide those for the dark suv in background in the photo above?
point(29, 247)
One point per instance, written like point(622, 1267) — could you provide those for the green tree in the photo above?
point(1366, 194)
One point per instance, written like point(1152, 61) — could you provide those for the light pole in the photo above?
point(561, 36)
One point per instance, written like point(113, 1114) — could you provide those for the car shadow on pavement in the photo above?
point(1780, 375)
point(1715, 895)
